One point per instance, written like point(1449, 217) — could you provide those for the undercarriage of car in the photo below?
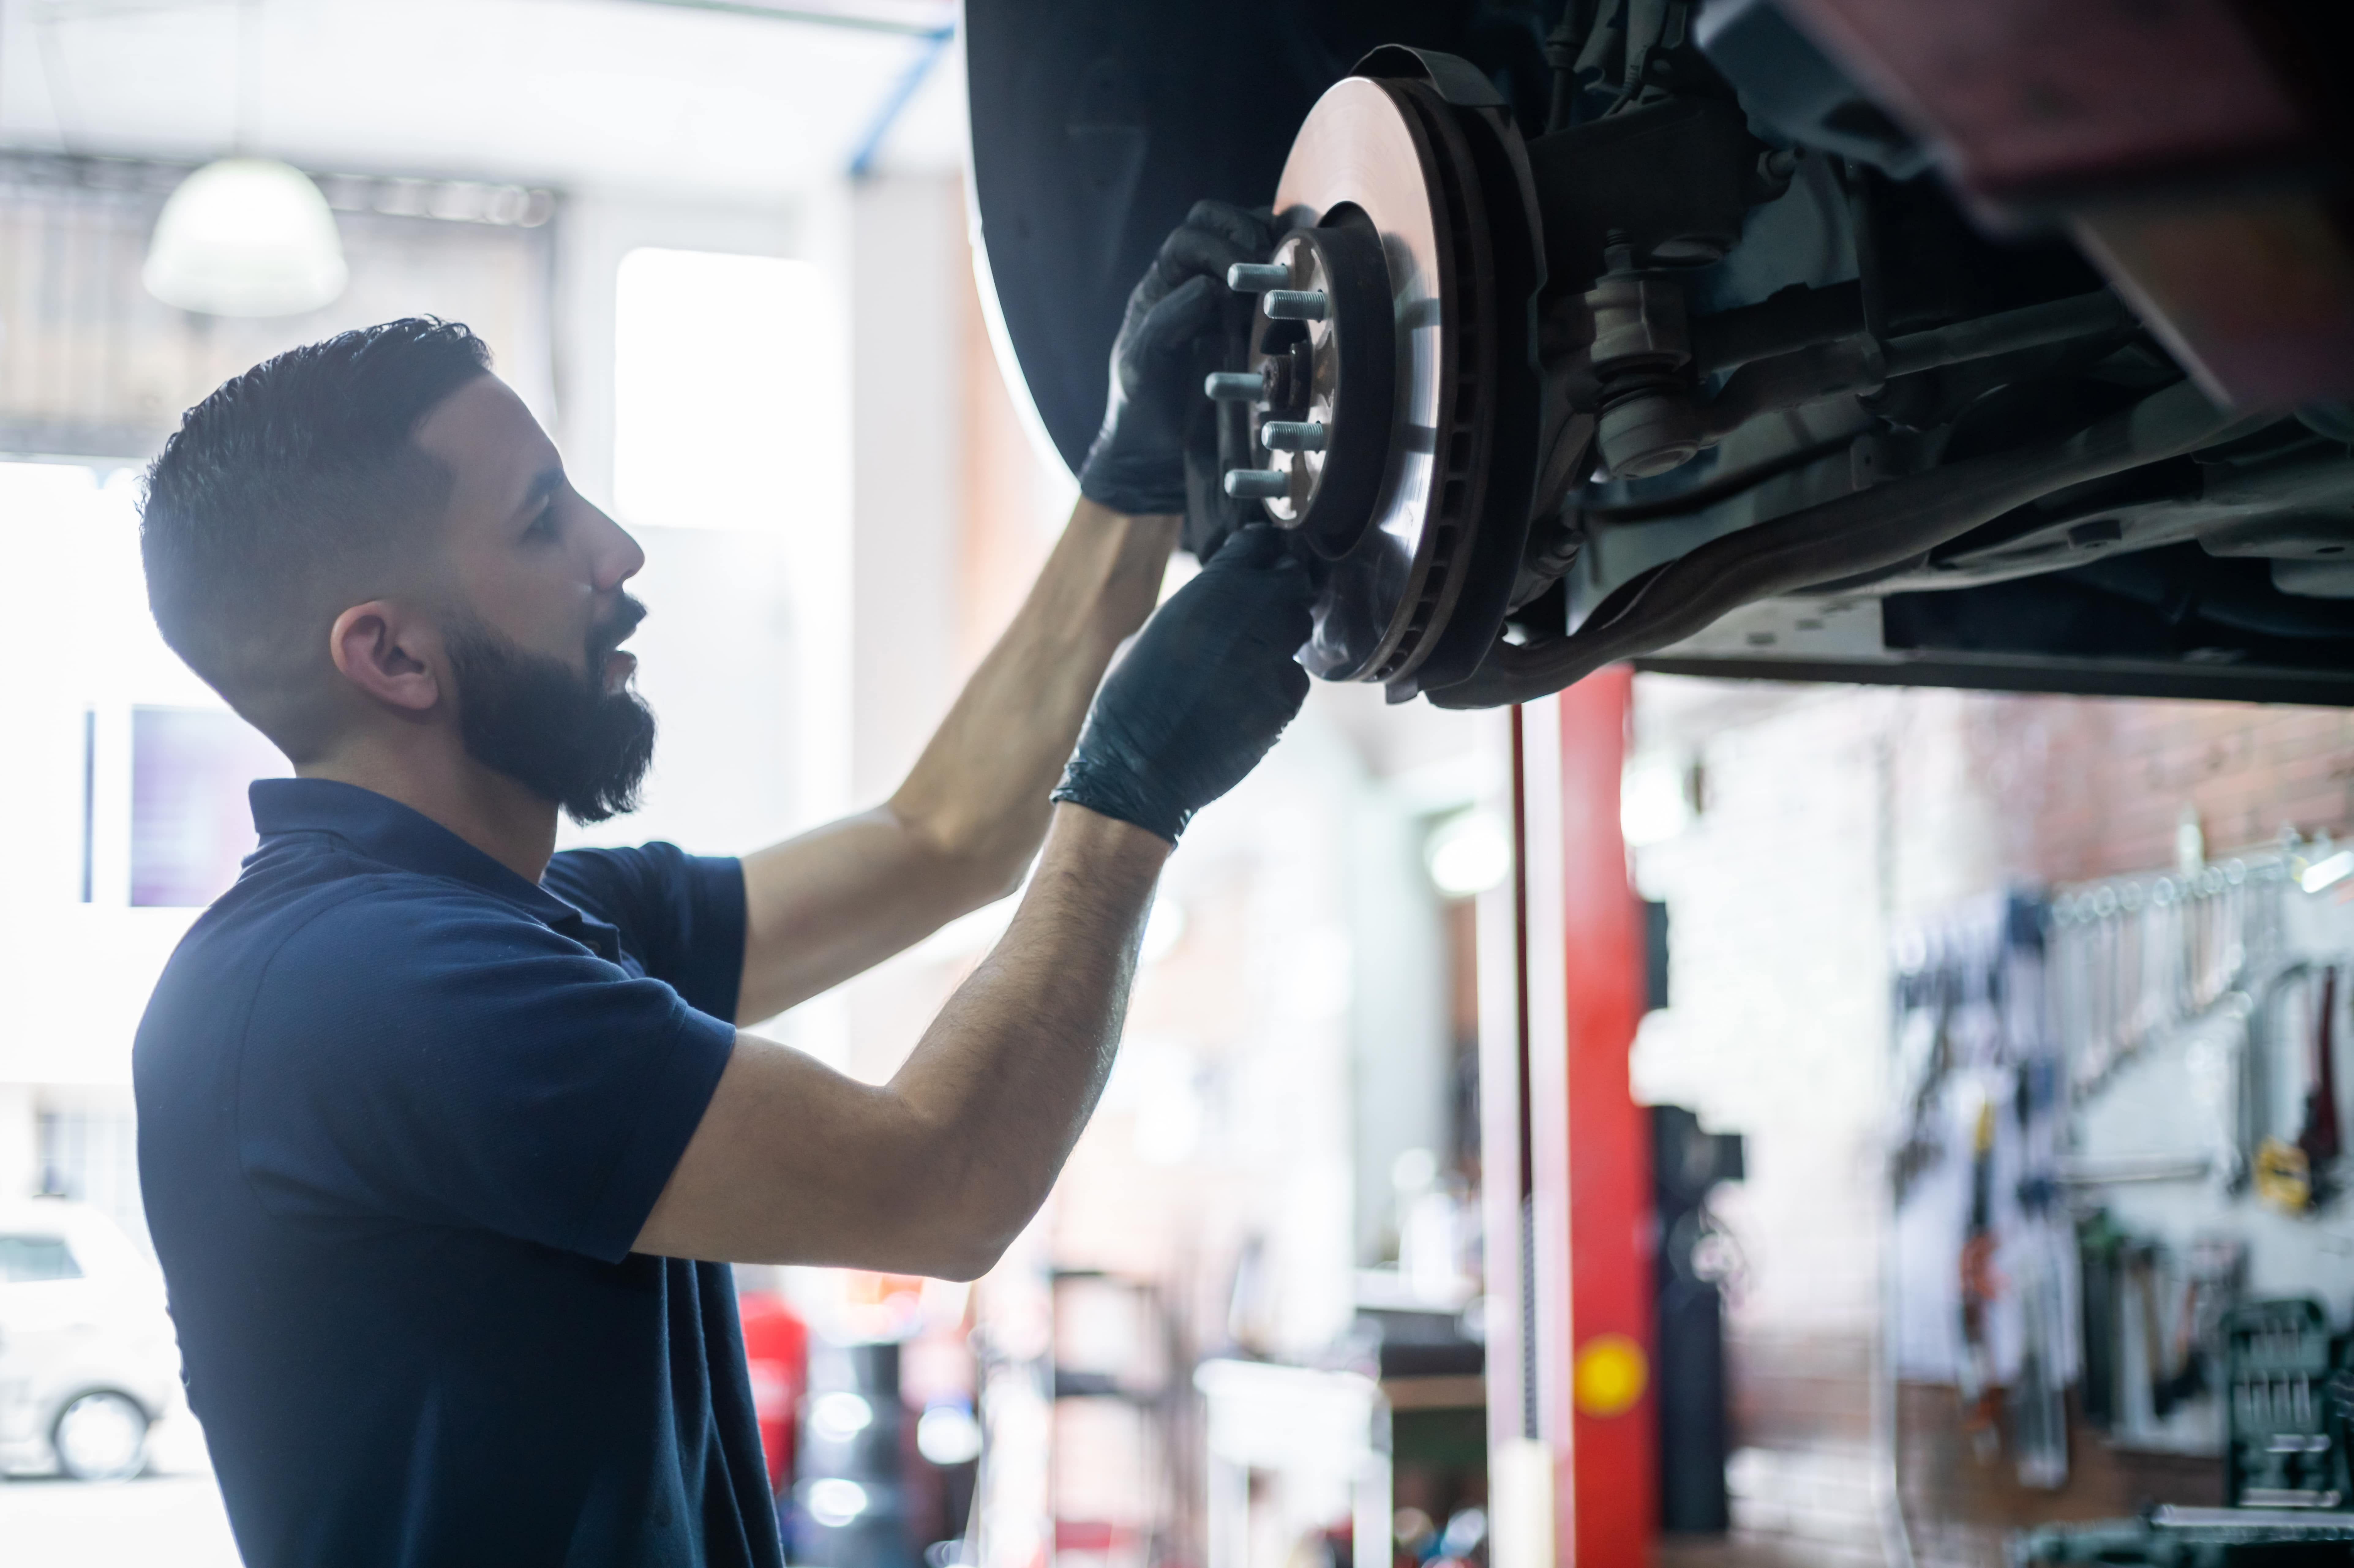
point(1826, 339)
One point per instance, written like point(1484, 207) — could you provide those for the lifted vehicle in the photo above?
point(1997, 345)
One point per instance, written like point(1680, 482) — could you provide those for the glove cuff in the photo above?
point(1133, 488)
point(1114, 793)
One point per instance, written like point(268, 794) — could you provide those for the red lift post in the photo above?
point(1582, 1144)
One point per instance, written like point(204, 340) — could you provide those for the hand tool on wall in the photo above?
point(2318, 1138)
point(2259, 1064)
point(2132, 961)
point(2296, 1176)
point(1981, 1396)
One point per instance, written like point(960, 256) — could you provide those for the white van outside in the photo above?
point(87, 1359)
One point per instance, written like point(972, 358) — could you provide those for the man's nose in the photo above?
point(618, 556)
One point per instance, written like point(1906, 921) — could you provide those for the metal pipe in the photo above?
point(1794, 319)
point(894, 103)
point(2135, 1168)
point(2006, 332)
point(1870, 530)
point(1788, 381)
point(1850, 364)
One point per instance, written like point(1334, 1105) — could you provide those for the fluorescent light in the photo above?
point(1470, 853)
point(1654, 800)
point(246, 236)
point(729, 392)
point(947, 1435)
point(839, 1417)
point(2324, 873)
point(834, 1502)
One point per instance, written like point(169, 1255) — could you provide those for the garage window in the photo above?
point(190, 827)
point(728, 391)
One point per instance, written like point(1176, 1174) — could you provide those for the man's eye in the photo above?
point(544, 526)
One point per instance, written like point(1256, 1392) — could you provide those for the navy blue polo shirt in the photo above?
point(401, 1114)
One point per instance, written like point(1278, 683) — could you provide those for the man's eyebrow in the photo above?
point(544, 484)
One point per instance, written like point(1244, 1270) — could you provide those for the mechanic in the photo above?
point(446, 1139)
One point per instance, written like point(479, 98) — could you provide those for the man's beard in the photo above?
point(542, 724)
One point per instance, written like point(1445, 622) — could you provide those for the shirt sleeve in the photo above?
point(436, 1059)
point(682, 914)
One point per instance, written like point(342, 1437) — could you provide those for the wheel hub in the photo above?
point(1320, 383)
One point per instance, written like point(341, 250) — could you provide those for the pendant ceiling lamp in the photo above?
point(246, 236)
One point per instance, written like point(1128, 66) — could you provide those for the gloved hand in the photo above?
point(1209, 684)
point(1137, 464)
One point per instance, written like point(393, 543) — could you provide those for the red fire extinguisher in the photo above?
point(776, 1353)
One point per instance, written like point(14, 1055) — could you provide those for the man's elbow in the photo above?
point(977, 861)
point(953, 1222)
point(965, 1252)
point(965, 1265)
point(987, 870)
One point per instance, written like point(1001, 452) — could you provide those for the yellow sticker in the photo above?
point(1610, 1375)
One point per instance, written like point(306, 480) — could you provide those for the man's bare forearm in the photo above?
point(980, 787)
point(960, 831)
point(1008, 1075)
point(934, 1172)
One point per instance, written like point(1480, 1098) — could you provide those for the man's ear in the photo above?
point(391, 654)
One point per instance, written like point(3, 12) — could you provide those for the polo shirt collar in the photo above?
point(408, 839)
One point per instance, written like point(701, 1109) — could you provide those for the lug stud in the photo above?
point(1237, 385)
point(1295, 305)
point(1257, 277)
point(1258, 483)
point(1292, 435)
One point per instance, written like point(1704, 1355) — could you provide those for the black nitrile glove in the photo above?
point(1200, 696)
point(1168, 342)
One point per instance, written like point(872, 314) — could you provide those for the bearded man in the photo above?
point(448, 1140)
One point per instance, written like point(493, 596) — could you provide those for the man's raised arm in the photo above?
point(961, 830)
point(934, 1171)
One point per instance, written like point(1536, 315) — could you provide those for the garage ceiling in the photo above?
point(689, 99)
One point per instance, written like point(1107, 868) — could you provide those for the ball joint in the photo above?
point(1642, 361)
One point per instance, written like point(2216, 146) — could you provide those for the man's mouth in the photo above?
point(616, 668)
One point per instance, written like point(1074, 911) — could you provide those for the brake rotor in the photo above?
point(1433, 169)
point(1365, 148)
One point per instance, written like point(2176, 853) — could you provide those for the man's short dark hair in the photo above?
point(292, 492)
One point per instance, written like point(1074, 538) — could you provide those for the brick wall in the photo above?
point(2117, 774)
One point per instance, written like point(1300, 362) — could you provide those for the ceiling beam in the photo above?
point(856, 21)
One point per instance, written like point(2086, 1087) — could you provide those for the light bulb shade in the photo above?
point(246, 236)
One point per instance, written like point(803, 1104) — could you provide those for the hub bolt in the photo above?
point(1258, 483)
point(1257, 277)
point(1237, 385)
point(1292, 435)
point(1295, 305)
